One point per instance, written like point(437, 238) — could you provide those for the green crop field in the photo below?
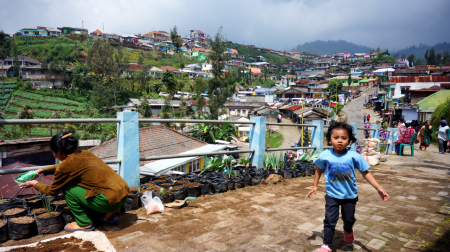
point(42, 98)
point(43, 106)
point(10, 87)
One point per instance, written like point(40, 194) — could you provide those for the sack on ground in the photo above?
point(153, 205)
point(371, 152)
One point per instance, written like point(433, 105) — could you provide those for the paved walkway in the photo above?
point(280, 217)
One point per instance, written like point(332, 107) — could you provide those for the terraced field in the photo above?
point(10, 87)
point(43, 107)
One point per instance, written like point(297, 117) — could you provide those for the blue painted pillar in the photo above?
point(258, 140)
point(355, 133)
point(317, 135)
point(128, 147)
point(376, 131)
point(392, 137)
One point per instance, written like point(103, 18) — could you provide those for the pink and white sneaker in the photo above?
point(324, 248)
point(349, 238)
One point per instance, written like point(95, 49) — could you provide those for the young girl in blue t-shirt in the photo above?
point(339, 165)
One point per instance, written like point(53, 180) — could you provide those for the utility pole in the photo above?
point(82, 24)
point(103, 28)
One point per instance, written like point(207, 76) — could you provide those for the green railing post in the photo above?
point(258, 140)
point(128, 147)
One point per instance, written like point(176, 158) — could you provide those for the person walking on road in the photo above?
point(443, 136)
point(339, 166)
point(365, 118)
point(368, 118)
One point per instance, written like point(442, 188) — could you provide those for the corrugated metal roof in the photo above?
point(434, 100)
point(164, 165)
point(407, 79)
point(10, 188)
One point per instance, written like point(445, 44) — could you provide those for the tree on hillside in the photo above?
point(26, 113)
point(16, 63)
point(334, 87)
point(170, 83)
point(221, 85)
point(141, 58)
point(445, 57)
point(426, 56)
point(200, 86)
point(378, 49)
point(411, 59)
point(431, 59)
point(2, 57)
point(438, 59)
point(403, 56)
point(396, 55)
point(175, 39)
point(145, 109)
point(420, 62)
point(349, 80)
point(101, 63)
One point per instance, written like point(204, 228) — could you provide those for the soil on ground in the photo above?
point(70, 244)
point(2, 222)
point(59, 202)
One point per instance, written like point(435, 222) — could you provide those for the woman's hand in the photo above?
point(384, 196)
point(313, 190)
point(39, 171)
point(29, 183)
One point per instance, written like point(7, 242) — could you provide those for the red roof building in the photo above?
point(10, 188)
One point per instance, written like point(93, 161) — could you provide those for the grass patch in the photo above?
point(275, 139)
point(382, 148)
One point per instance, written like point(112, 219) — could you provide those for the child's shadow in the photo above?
point(339, 243)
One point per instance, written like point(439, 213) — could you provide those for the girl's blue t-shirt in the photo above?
point(340, 172)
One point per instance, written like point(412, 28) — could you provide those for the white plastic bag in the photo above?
point(153, 205)
point(371, 152)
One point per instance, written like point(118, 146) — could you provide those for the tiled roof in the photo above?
point(10, 188)
point(255, 70)
point(97, 31)
point(302, 81)
point(153, 141)
point(168, 68)
point(199, 31)
point(406, 79)
point(23, 57)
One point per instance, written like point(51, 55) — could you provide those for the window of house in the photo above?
point(404, 89)
point(239, 111)
point(42, 72)
point(194, 165)
point(180, 168)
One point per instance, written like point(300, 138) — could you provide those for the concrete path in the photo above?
point(355, 112)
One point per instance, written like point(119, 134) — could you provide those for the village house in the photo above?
point(198, 36)
point(242, 108)
point(34, 32)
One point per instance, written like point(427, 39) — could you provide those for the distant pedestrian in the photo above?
point(443, 136)
point(339, 165)
point(365, 118)
point(365, 100)
point(424, 135)
point(368, 118)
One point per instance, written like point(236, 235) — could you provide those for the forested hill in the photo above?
point(419, 51)
point(330, 47)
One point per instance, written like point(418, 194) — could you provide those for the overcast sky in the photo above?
point(278, 24)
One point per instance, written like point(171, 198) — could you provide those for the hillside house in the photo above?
point(242, 108)
point(34, 32)
point(73, 30)
point(155, 36)
point(198, 36)
point(193, 67)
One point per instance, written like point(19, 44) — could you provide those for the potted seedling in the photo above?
point(51, 221)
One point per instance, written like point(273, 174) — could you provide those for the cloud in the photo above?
point(272, 23)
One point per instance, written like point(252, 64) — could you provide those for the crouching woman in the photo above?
point(86, 182)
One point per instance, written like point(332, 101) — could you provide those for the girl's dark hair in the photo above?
point(407, 124)
point(341, 125)
point(66, 145)
point(402, 120)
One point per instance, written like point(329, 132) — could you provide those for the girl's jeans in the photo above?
point(442, 145)
point(332, 216)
